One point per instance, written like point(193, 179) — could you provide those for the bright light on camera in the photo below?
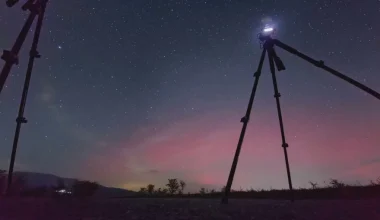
point(268, 29)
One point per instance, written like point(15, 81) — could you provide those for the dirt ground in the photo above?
point(112, 209)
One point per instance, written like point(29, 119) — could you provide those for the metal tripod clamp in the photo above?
point(30, 5)
point(320, 63)
point(21, 120)
point(244, 119)
point(35, 54)
point(9, 56)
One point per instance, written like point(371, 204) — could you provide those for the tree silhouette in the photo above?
point(165, 191)
point(159, 191)
point(182, 185)
point(313, 185)
point(173, 186)
point(334, 183)
point(150, 189)
point(84, 188)
point(202, 191)
point(143, 190)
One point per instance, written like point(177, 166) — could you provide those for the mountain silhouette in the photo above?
point(34, 180)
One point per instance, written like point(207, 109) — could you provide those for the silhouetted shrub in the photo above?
point(150, 189)
point(84, 188)
point(182, 185)
point(173, 186)
point(202, 191)
point(143, 190)
point(334, 183)
point(313, 185)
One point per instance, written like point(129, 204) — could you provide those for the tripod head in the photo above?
point(268, 44)
point(268, 31)
point(264, 38)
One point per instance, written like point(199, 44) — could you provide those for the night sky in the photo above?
point(135, 92)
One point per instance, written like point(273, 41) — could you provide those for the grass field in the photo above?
point(152, 208)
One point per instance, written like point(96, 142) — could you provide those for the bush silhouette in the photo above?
point(182, 186)
point(143, 190)
point(334, 183)
point(313, 185)
point(173, 186)
point(84, 188)
point(150, 189)
point(202, 191)
point(333, 189)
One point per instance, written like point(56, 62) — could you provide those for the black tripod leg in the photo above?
point(244, 120)
point(277, 95)
point(20, 119)
point(321, 65)
point(11, 57)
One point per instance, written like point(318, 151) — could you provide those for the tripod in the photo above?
point(37, 8)
point(274, 60)
point(11, 57)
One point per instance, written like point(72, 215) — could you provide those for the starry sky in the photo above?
point(135, 92)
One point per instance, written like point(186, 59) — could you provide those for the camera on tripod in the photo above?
point(266, 33)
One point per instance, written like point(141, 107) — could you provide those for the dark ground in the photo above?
point(40, 209)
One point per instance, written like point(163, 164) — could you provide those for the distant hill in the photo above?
point(34, 180)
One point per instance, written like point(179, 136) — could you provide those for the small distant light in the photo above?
point(63, 191)
point(60, 47)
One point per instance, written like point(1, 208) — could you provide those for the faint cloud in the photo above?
point(366, 170)
point(48, 93)
point(64, 119)
point(153, 171)
point(370, 161)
